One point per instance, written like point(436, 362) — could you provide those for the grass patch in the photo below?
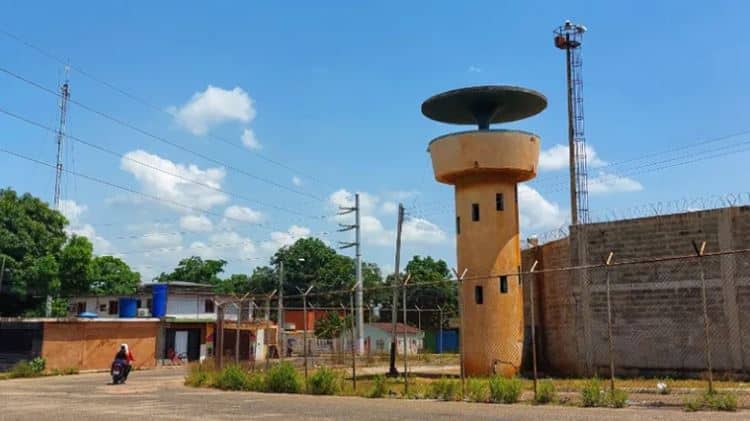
point(504, 390)
point(64, 372)
point(477, 390)
point(716, 401)
point(592, 394)
point(446, 389)
point(199, 375)
point(325, 382)
point(22, 369)
point(545, 393)
point(283, 378)
point(232, 377)
point(617, 398)
point(379, 388)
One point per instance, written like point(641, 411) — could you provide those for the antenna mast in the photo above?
point(64, 95)
point(569, 37)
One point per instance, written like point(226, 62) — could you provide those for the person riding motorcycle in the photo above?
point(126, 357)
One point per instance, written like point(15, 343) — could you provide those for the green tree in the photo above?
point(195, 269)
point(75, 266)
point(263, 280)
point(112, 276)
point(29, 231)
point(331, 326)
point(238, 283)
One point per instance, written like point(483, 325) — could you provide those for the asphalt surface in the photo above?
point(159, 394)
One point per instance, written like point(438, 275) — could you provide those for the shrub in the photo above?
point(256, 382)
point(721, 401)
point(504, 390)
point(446, 389)
point(33, 368)
point(37, 364)
point(198, 375)
point(476, 390)
point(232, 377)
point(545, 392)
point(379, 388)
point(693, 403)
point(325, 382)
point(65, 371)
point(283, 378)
point(592, 394)
point(617, 398)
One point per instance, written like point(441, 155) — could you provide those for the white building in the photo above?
point(378, 337)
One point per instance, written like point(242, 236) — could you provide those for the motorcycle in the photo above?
point(119, 372)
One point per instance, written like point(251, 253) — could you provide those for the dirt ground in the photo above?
point(160, 394)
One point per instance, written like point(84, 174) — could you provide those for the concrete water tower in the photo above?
point(485, 166)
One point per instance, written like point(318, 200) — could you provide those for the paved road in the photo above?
point(159, 394)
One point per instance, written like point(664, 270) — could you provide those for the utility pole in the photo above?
point(357, 245)
point(282, 342)
point(393, 371)
point(406, 342)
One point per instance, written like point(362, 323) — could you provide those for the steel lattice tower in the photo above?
point(569, 37)
point(64, 95)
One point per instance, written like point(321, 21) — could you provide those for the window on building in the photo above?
point(102, 308)
point(148, 304)
point(478, 294)
point(113, 307)
point(208, 306)
point(458, 225)
point(81, 307)
point(499, 204)
point(138, 303)
point(504, 284)
point(475, 212)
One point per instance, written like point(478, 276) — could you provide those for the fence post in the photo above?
point(699, 250)
point(304, 332)
point(439, 344)
point(219, 352)
point(459, 281)
point(607, 262)
point(406, 342)
point(533, 324)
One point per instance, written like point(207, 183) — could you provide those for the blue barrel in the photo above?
point(159, 301)
point(128, 307)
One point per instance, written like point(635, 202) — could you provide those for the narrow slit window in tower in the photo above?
point(458, 225)
point(504, 284)
point(499, 205)
point(478, 294)
point(475, 212)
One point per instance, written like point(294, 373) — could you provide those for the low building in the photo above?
point(378, 337)
point(84, 344)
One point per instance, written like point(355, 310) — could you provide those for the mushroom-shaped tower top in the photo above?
point(484, 105)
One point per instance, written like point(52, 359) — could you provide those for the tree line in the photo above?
point(42, 260)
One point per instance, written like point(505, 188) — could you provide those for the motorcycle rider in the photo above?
point(126, 356)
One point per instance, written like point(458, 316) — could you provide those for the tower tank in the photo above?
point(485, 167)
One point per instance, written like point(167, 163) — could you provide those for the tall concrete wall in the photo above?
point(657, 307)
point(92, 345)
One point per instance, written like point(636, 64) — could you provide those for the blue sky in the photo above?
point(333, 91)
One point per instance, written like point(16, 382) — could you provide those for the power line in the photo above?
point(153, 167)
point(150, 105)
point(160, 138)
point(117, 186)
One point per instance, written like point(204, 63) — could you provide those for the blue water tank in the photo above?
point(128, 307)
point(159, 301)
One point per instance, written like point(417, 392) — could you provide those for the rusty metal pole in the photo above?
point(219, 352)
point(304, 332)
point(699, 250)
point(439, 344)
point(533, 327)
point(237, 334)
point(459, 281)
point(352, 345)
point(610, 339)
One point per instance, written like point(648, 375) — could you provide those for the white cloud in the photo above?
point(197, 223)
point(537, 213)
point(280, 239)
point(475, 69)
point(389, 207)
point(612, 183)
point(556, 158)
point(422, 231)
point(73, 212)
point(241, 213)
point(225, 245)
point(212, 107)
point(296, 181)
point(180, 190)
point(160, 240)
point(249, 139)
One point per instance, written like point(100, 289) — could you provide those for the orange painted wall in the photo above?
point(92, 345)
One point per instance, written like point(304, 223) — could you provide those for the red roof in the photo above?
point(388, 327)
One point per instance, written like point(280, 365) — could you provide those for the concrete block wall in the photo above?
point(657, 307)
